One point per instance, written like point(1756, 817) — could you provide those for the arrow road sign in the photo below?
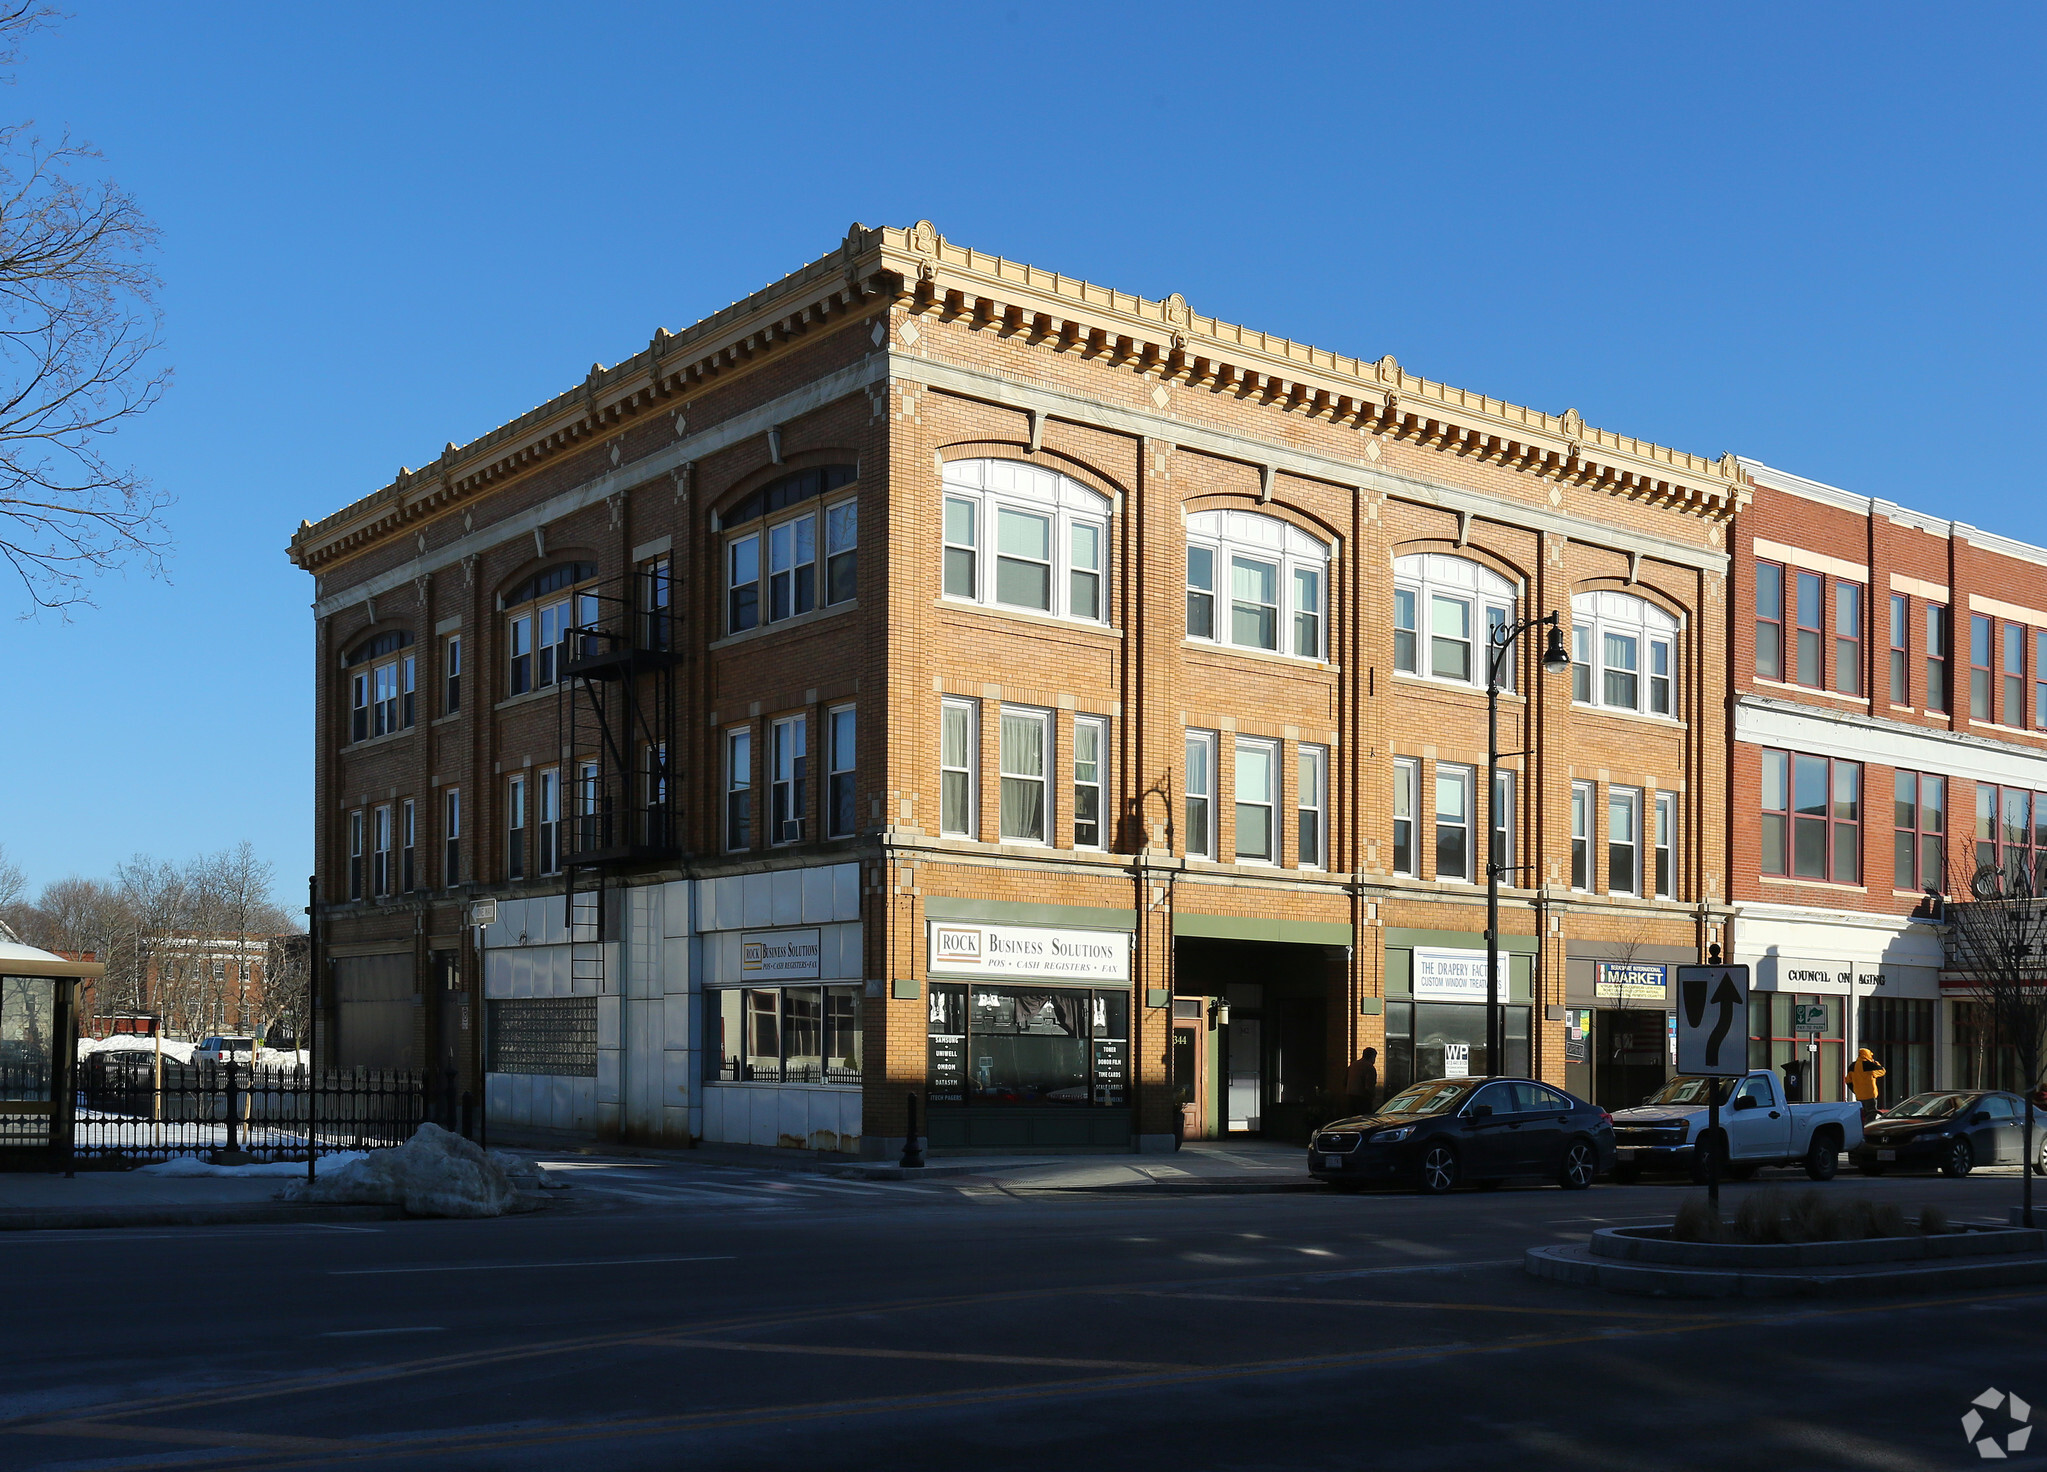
point(1712, 1020)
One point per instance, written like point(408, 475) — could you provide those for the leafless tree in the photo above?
point(13, 891)
point(79, 349)
point(158, 897)
point(1997, 947)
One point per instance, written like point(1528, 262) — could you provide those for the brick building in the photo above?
point(936, 675)
point(1890, 727)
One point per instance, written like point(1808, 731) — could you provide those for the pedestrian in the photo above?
point(1862, 1076)
point(1361, 1087)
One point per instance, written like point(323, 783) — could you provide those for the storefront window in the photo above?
point(1046, 1047)
point(791, 1034)
point(1426, 1040)
point(1983, 1059)
point(1774, 1041)
point(1899, 1030)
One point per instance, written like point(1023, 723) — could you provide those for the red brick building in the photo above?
point(1890, 726)
point(936, 675)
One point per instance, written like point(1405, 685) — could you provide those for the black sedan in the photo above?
point(1448, 1130)
point(1952, 1131)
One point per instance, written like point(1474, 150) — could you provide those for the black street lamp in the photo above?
point(1556, 659)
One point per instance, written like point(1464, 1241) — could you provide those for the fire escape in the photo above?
point(617, 714)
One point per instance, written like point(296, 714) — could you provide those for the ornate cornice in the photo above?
point(920, 270)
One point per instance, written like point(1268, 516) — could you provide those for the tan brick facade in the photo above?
point(904, 355)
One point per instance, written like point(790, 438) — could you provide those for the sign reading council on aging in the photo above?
point(1029, 950)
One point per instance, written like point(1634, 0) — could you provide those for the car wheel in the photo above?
point(1626, 1175)
point(1704, 1155)
point(1581, 1164)
point(2040, 1165)
point(1823, 1156)
point(1869, 1167)
point(1438, 1170)
point(1958, 1161)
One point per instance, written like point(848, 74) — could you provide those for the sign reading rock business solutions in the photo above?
point(766, 955)
point(1029, 950)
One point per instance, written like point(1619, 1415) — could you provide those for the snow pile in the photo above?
point(135, 1042)
point(192, 1165)
point(435, 1173)
point(282, 1058)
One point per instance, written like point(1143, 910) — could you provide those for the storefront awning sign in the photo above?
point(959, 949)
point(1453, 976)
point(774, 955)
point(1630, 981)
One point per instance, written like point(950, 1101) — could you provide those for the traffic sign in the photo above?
point(483, 912)
point(1712, 1020)
point(1809, 1017)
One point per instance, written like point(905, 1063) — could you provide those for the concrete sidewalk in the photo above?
point(121, 1198)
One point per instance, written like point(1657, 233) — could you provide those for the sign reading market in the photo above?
point(959, 949)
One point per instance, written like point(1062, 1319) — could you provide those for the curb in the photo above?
point(1576, 1265)
point(1196, 1186)
point(81, 1218)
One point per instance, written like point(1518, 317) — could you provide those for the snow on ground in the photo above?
point(133, 1042)
point(192, 1166)
point(435, 1173)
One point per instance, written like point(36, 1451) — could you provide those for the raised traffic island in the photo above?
point(1794, 1249)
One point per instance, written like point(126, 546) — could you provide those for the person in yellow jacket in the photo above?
point(1862, 1076)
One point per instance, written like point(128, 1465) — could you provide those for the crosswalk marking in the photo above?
point(663, 1185)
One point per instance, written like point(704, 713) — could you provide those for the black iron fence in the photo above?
point(132, 1107)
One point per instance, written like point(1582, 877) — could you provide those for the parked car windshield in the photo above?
point(1930, 1106)
point(1685, 1090)
point(1429, 1098)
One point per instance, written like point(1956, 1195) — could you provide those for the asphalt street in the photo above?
point(663, 1315)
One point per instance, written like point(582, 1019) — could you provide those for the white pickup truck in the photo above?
point(1672, 1129)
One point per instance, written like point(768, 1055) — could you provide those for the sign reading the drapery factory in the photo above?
point(1630, 981)
point(778, 954)
point(1029, 950)
point(1453, 976)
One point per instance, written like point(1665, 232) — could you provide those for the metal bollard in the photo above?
point(913, 1143)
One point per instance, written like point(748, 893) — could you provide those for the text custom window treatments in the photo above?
point(784, 555)
point(1444, 611)
point(1256, 582)
point(1017, 536)
point(1629, 653)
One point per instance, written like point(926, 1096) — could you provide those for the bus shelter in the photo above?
point(38, 1055)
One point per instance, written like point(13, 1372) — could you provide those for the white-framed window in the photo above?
point(739, 789)
point(1582, 798)
point(1444, 609)
point(359, 706)
point(1623, 840)
point(1024, 755)
point(550, 820)
point(788, 754)
point(958, 741)
point(408, 836)
point(1090, 781)
point(1311, 807)
point(839, 755)
point(1257, 782)
point(1626, 648)
point(451, 674)
point(1017, 536)
point(1501, 819)
point(451, 837)
point(1666, 845)
point(1454, 821)
point(1201, 794)
point(1276, 577)
point(355, 854)
point(382, 694)
point(515, 828)
point(775, 538)
point(538, 616)
point(380, 851)
point(1407, 781)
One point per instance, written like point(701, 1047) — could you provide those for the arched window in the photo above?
point(538, 615)
point(381, 685)
point(1271, 577)
point(802, 570)
point(1623, 654)
point(1444, 612)
point(1017, 536)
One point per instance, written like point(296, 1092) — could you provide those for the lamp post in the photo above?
point(1556, 659)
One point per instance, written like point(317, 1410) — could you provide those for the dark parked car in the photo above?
point(1952, 1131)
point(1488, 1130)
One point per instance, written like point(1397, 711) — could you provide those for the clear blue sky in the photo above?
point(1806, 233)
